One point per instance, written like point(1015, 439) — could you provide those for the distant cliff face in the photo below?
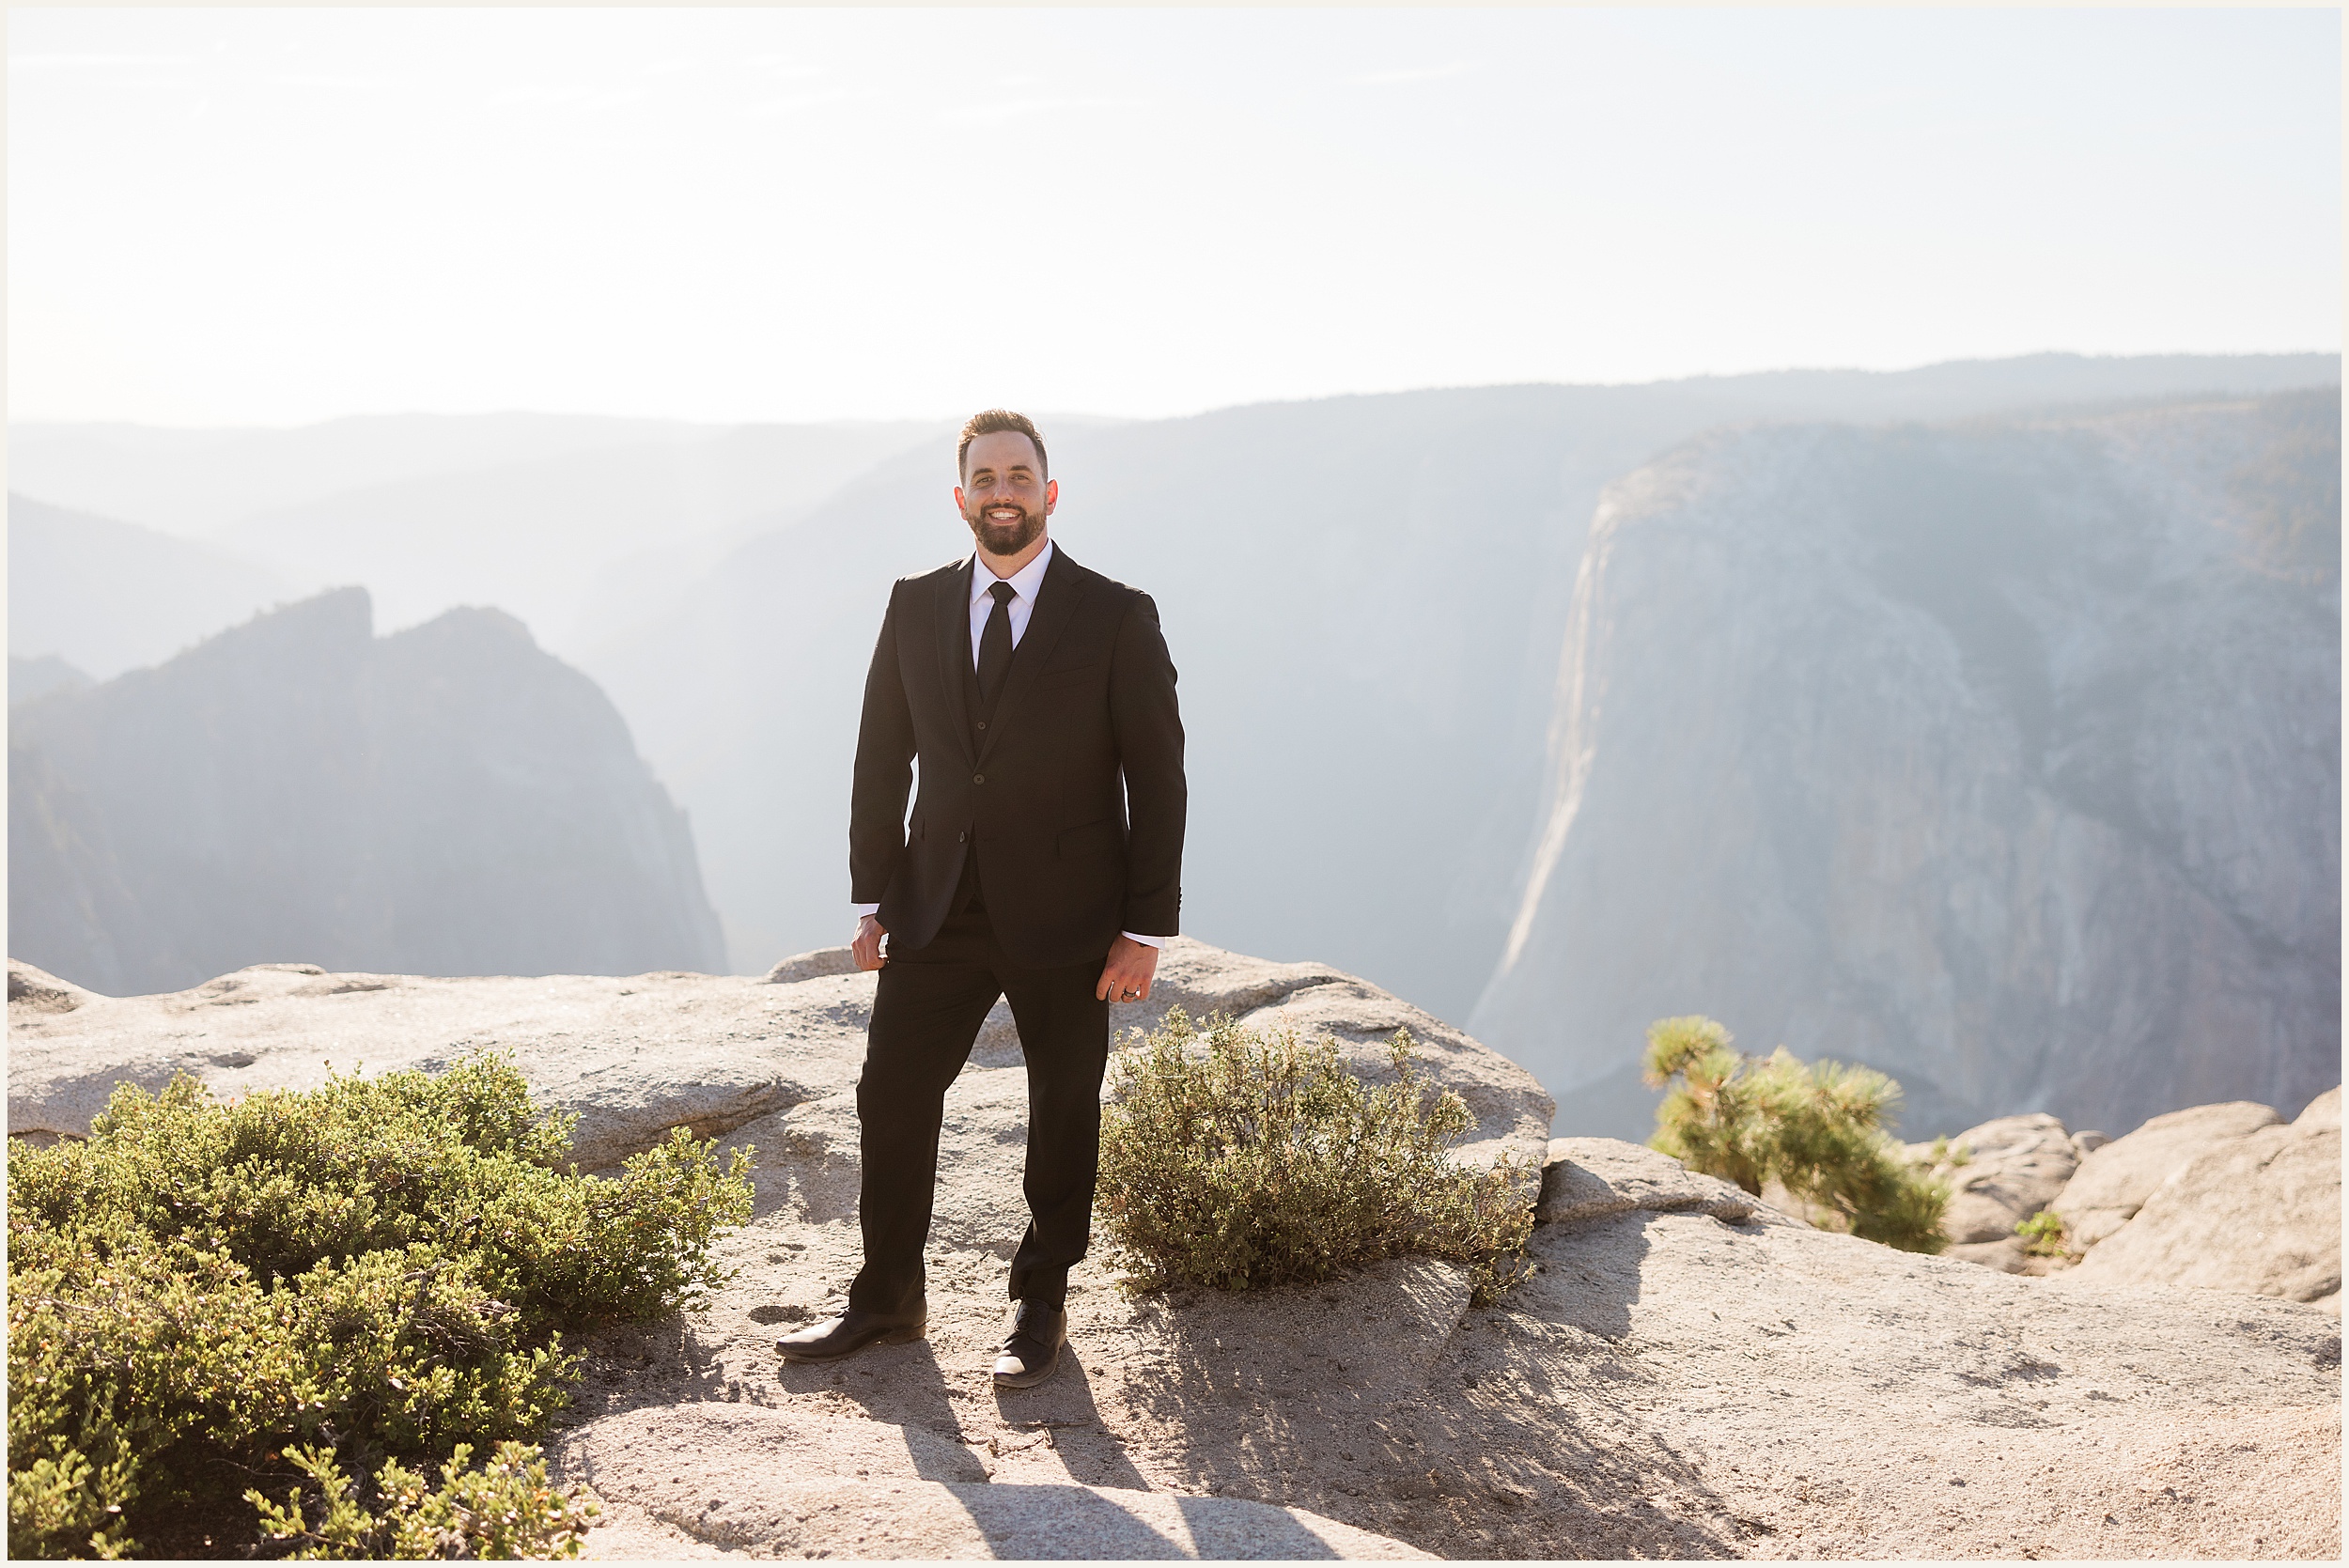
point(2003, 756)
point(449, 801)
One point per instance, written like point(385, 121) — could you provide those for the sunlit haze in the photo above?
point(288, 215)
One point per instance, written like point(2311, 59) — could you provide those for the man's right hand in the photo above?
point(867, 946)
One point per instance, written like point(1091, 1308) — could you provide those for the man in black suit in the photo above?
point(1042, 862)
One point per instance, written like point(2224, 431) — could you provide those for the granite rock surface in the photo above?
point(1683, 1373)
point(1999, 1174)
point(2114, 1181)
point(2259, 1213)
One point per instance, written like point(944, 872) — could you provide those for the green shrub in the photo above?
point(1817, 1127)
point(204, 1297)
point(2044, 1236)
point(1239, 1159)
point(507, 1509)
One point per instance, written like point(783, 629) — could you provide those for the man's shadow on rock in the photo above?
point(905, 1386)
point(1063, 1405)
point(900, 1385)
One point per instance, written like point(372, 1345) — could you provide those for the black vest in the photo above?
point(981, 714)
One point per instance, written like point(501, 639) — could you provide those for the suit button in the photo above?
point(978, 778)
point(982, 723)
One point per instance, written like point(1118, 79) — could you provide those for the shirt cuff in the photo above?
point(1147, 941)
point(861, 910)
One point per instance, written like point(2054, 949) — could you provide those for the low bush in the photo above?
point(503, 1510)
point(1817, 1127)
point(211, 1302)
point(2044, 1236)
point(1942, 1152)
point(1241, 1159)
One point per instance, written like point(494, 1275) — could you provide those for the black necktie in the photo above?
point(995, 645)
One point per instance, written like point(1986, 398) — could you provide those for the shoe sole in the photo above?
point(895, 1336)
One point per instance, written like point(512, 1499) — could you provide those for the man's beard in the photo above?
point(1004, 538)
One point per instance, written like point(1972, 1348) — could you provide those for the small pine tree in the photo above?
point(1817, 1127)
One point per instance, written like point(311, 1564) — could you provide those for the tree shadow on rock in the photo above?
point(806, 1168)
point(1385, 1400)
point(625, 1366)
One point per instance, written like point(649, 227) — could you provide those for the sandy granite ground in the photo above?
point(1666, 1384)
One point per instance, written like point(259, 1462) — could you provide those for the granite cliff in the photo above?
point(2004, 756)
point(1687, 1372)
point(449, 800)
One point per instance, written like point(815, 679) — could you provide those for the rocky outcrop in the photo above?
point(1591, 1178)
point(631, 1057)
point(634, 1056)
point(445, 801)
point(35, 992)
point(2260, 1213)
point(1999, 1174)
point(2219, 1197)
point(2004, 758)
point(2114, 1181)
point(1685, 1372)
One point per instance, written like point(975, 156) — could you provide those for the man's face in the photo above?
point(1003, 495)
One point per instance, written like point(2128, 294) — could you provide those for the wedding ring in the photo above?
point(1132, 996)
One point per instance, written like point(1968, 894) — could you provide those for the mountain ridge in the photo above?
point(449, 798)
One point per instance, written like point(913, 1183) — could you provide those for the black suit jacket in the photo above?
point(1072, 798)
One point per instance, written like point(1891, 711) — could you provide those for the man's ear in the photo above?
point(958, 505)
point(1051, 496)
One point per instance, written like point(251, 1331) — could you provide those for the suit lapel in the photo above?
point(1056, 599)
point(954, 650)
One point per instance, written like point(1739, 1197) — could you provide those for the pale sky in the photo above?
point(276, 216)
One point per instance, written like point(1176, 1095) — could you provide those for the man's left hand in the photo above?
point(1126, 975)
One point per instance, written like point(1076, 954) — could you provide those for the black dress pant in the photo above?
point(926, 1013)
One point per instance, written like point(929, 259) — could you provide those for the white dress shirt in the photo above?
point(1025, 584)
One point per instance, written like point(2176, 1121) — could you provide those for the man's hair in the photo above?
point(986, 424)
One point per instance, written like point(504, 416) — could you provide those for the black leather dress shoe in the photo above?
point(1031, 1350)
point(850, 1332)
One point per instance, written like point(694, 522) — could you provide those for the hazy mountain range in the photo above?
point(1368, 598)
point(445, 801)
point(576, 525)
point(106, 596)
